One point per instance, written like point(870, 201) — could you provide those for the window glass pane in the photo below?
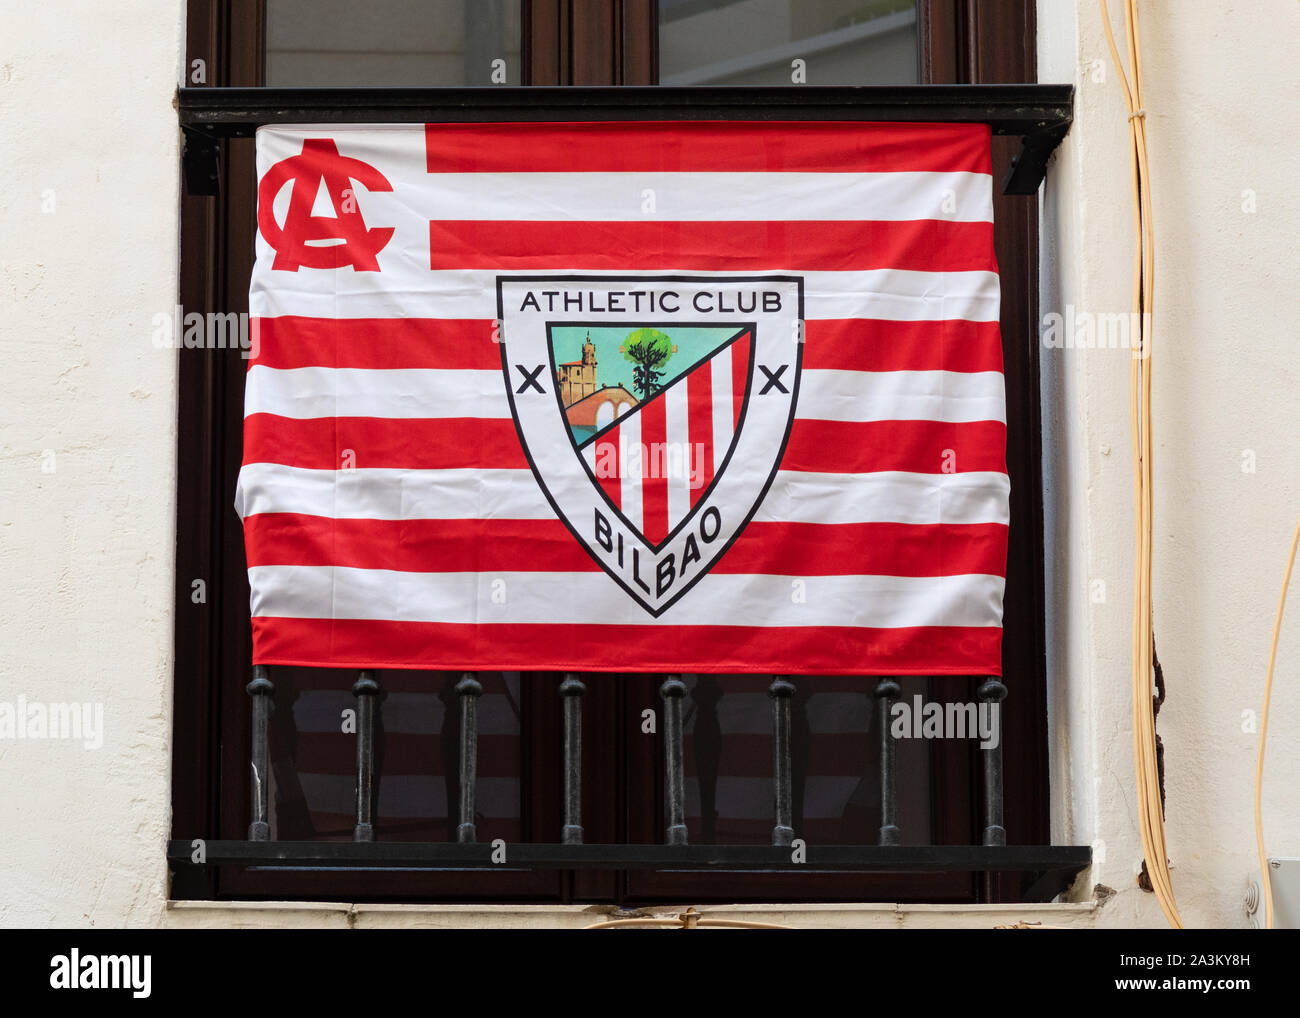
point(788, 42)
point(341, 43)
point(417, 746)
point(835, 762)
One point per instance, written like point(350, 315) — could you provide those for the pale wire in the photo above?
point(1151, 822)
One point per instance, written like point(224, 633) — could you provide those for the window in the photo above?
point(776, 42)
point(728, 718)
point(336, 43)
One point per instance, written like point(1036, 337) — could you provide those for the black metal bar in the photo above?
point(1006, 108)
point(672, 692)
point(1040, 113)
point(886, 693)
point(366, 690)
point(571, 689)
point(1065, 860)
point(991, 693)
point(897, 858)
point(261, 689)
point(781, 690)
point(469, 689)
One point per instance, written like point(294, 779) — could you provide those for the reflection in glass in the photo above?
point(341, 43)
point(417, 745)
point(788, 42)
point(835, 739)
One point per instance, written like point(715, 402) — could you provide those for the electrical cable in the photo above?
point(1150, 807)
point(1265, 881)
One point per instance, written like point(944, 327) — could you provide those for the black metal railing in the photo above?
point(1054, 867)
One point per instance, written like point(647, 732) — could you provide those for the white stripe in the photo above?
point(629, 432)
point(406, 288)
point(824, 394)
point(462, 494)
point(678, 454)
point(887, 496)
point(723, 413)
point(953, 396)
point(339, 592)
point(391, 493)
point(365, 392)
point(700, 196)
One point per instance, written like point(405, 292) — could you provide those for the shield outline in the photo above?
point(503, 341)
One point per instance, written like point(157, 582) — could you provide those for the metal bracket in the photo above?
point(202, 161)
point(1040, 114)
point(1029, 165)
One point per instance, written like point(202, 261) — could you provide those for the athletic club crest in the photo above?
point(654, 411)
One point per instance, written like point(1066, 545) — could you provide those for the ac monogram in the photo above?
point(320, 161)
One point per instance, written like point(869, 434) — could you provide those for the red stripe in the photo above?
point(648, 146)
point(607, 468)
point(866, 344)
point(654, 484)
point(699, 424)
point(831, 650)
point(923, 447)
point(452, 343)
point(493, 546)
point(340, 443)
point(739, 375)
point(922, 245)
point(414, 545)
point(869, 549)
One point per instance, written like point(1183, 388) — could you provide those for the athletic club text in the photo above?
point(650, 301)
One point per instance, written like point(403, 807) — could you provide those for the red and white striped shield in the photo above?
point(656, 478)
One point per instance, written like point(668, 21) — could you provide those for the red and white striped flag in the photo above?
point(631, 396)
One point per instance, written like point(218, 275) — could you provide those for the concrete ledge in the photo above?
point(337, 915)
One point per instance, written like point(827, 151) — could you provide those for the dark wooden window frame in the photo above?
point(577, 42)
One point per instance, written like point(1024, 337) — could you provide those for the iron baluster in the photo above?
point(781, 690)
point(992, 692)
point(886, 693)
point(672, 692)
point(261, 689)
point(571, 689)
point(469, 689)
point(366, 690)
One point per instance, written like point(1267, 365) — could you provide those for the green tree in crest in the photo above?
point(649, 350)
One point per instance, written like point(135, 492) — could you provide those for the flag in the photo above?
point(626, 396)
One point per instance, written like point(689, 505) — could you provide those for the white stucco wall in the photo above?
point(1222, 93)
point(88, 254)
